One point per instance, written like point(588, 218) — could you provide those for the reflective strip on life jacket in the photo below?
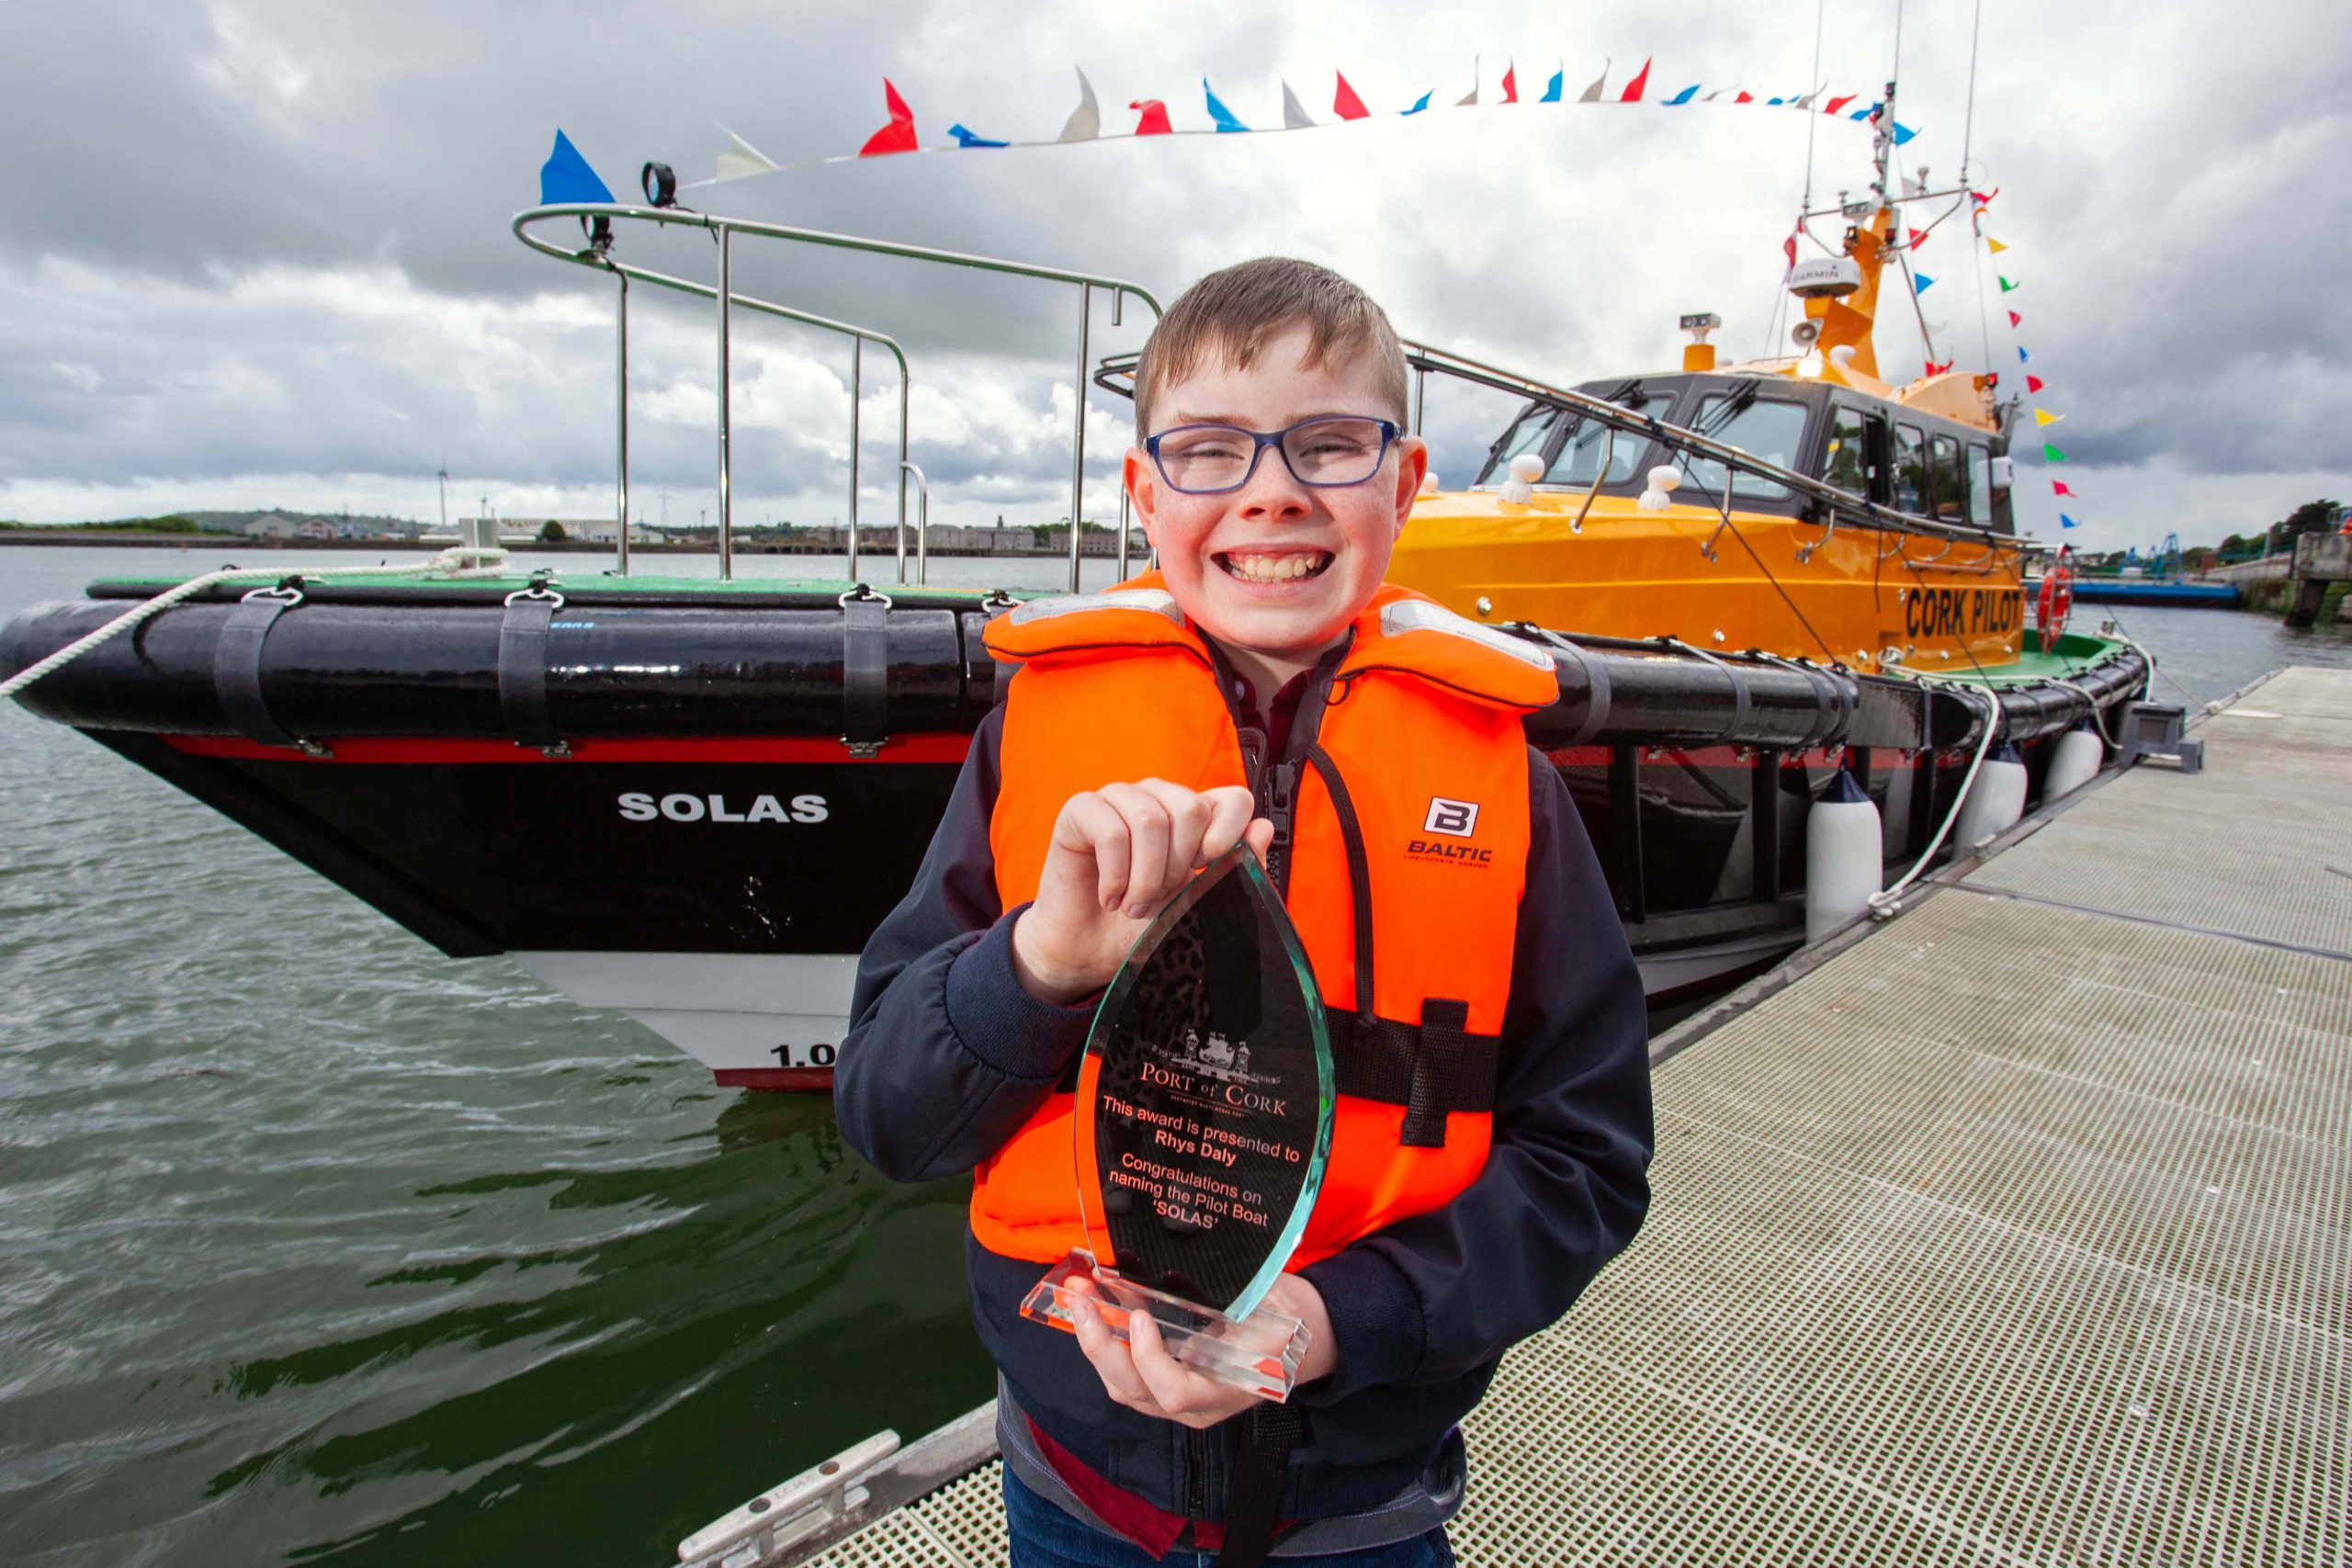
point(1422, 728)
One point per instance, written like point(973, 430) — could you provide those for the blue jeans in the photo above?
point(1046, 1537)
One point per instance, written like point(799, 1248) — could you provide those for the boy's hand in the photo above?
point(1117, 855)
point(1142, 1375)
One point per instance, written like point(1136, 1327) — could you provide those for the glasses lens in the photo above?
point(1206, 456)
point(1335, 451)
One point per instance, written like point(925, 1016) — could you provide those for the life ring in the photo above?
point(2057, 598)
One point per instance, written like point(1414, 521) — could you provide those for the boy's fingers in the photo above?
point(1148, 830)
point(1229, 809)
point(1188, 816)
point(1260, 834)
point(1171, 1385)
point(1108, 1357)
point(1092, 825)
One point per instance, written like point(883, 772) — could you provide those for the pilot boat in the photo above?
point(1783, 601)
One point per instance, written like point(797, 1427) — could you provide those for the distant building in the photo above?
point(268, 525)
point(314, 528)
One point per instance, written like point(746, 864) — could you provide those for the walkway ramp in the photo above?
point(2015, 1233)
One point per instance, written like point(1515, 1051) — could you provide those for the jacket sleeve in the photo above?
point(1566, 1182)
point(947, 1054)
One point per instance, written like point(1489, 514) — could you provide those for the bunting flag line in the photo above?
point(2023, 358)
point(2066, 522)
point(2007, 286)
point(567, 173)
point(1921, 283)
point(1994, 245)
point(741, 160)
point(1217, 111)
point(1294, 115)
point(566, 176)
point(2016, 320)
point(1918, 238)
point(2050, 454)
point(2034, 383)
point(898, 136)
point(2058, 487)
point(2043, 416)
point(1085, 122)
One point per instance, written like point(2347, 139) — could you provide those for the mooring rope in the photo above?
point(450, 563)
point(1887, 903)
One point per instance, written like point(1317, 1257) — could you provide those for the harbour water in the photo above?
point(314, 1245)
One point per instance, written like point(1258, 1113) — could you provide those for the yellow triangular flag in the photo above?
point(1994, 245)
point(2043, 416)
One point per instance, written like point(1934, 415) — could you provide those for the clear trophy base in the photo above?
point(1260, 1353)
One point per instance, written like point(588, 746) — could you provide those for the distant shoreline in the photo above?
point(201, 543)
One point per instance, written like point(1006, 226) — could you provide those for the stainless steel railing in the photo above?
point(597, 253)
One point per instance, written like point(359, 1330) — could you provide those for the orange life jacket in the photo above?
point(1422, 731)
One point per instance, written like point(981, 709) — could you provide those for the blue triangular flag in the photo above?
point(1863, 114)
point(972, 137)
point(2022, 357)
point(1552, 92)
point(1419, 104)
point(1902, 133)
point(1921, 283)
point(566, 176)
point(1769, 102)
point(1683, 96)
point(2066, 522)
point(1217, 111)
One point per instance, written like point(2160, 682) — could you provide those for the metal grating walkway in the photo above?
point(2015, 1234)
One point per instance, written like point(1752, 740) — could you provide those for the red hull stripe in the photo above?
point(806, 1080)
point(943, 749)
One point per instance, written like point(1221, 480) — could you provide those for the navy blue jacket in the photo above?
point(946, 1056)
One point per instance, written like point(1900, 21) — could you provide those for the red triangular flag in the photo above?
point(1637, 86)
point(2016, 320)
point(1981, 196)
point(898, 136)
point(2058, 487)
point(1789, 245)
point(2033, 383)
point(1511, 82)
point(1834, 105)
point(1346, 105)
point(1744, 97)
point(1918, 238)
point(1155, 117)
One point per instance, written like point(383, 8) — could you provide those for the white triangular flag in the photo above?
point(1085, 122)
point(1591, 94)
point(741, 160)
point(1912, 188)
point(1294, 115)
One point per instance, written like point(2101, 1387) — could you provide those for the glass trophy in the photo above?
point(1202, 1129)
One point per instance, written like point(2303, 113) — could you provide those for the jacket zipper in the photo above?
point(1196, 1460)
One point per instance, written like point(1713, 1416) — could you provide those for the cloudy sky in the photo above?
point(257, 250)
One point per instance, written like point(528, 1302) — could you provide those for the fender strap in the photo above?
point(236, 667)
point(1254, 1503)
point(523, 670)
point(865, 674)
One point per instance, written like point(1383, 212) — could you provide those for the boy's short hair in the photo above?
point(1232, 312)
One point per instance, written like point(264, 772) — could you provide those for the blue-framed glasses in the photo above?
point(1327, 452)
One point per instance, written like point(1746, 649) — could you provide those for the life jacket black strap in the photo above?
point(1397, 1064)
point(523, 668)
point(1254, 1503)
point(865, 670)
point(236, 665)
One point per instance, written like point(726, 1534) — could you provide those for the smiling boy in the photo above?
point(1492, 1128)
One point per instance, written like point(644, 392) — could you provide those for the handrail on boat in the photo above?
point(922, 526)
point(1116, 374)
point(597, 253)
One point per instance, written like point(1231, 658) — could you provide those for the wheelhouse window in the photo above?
point(1910, 469)
point(1580, 456)
point(1847, 462)
point(1980, 486)
point(1952, 479)
point(1530, 433)
point(1765, 428)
